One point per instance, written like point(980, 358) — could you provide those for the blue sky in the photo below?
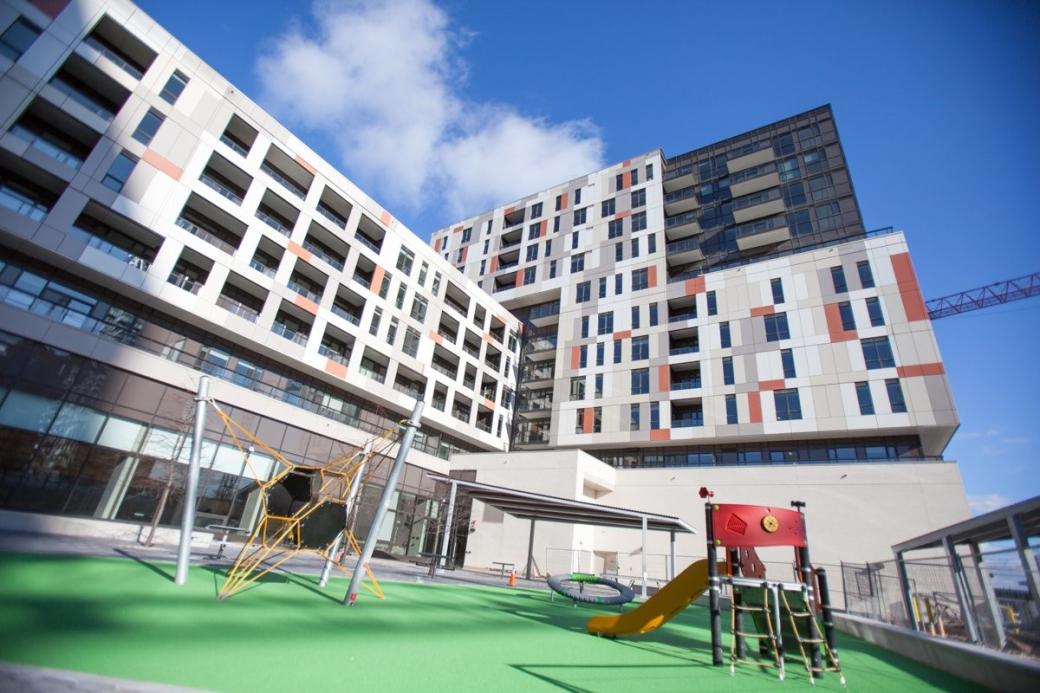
point(937, 104)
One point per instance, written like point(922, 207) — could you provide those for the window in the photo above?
point(821, 187)
point(425, 268)
point(577, 196)
point(713, 304)
point(583, 356)
point(639, 222)
point(467, 234)
point(411, 342)
point(602, 287)
point(650, 171)
point(635, 247)
point(828, 216)
point(436, 286)
point(618, 284)
point(574, 240)
point(17, 38)
point(600, 355)
point(582, 292)
point(548, 248)
point(866, 277)
point(776, 327)
point(597, 419)
point(584, 326)
point(174, 86)
point(727, 370)
point(615, 228)
point(401, 292)
point(651, 244)
point(384, 288)
point(848, 322)
point(460, 256)
point(418, 308)
point(640, 381)
point(788, 169)
point(533, 230)
point(877, 318)
point(655, 415)
point(559, 203)
point(148, 126)
point(617, 351)
point(556, 224)
point(838, 277)
point(877, 353)
point(866, 402)
point(619, 181)
point(373, 327)
point(119, 171)
point(800, 222)
point(619, 252)
point(633, 417)
point(577, 262)
point(580, 215)
point(640, 348)
point(606, 208)
point(597, 392)
point(638, 198)
point(788, 406)
point(483, 267)
point(731, 409)
point(794, 194)
point(606, 323)
point(404, 261)
point(787, 360)
point(578, 388)
point(635, 176)
point(895, 396)
point(635, 317)
point(640, 279)
point(536, 210)
point(777, 285)
point(529, 275)
point(532, 252)
point(653, 315)
point(724, 337)
point(552, 269)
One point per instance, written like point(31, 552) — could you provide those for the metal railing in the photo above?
point(205, 234)
point(262, 268)
point(274, 222)
point(114, 57)
point(346, 314)
point(82, 99)
point(368, 243)
point(333, 354)
point(222, 189)
point(238, 308)
point(183, 281)
point(39, 142)
point(233, 145)
point(331, 216)
point(286, 182)
point(109, 249)
point(283, 330)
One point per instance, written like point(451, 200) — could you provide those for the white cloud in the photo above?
point(381, 79)
point(987, 502)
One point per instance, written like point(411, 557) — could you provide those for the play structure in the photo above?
point(772, 612)
point(604, 590)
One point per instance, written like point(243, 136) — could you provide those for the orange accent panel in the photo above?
point(545, 225)
point(762, 310)
point(767, 385)
point(519, 278)
point(385, 218)
point(575, 357)
point(664, 379)
point(457, 229)
point(488, 338)
point(651, 276)
point(694, 286)
point(437, 244)
point(588, 420)
point(509, 210)
point(563, 201)
point(920, 370)
point(660, 434)
point(624, 334)
point(307, 304)
point(622, 214)
point(488, 403)
point(377, 279)
point(163, 164)
point(909, 290)
point(494, 264)
point(626, 163)
point(465, 253)
point(626, 180)
point(754, 405)
point(52, 8)
point(299, 251)
point(336, 368)
point(307, 167)
point(834, 328)
point(436, 337)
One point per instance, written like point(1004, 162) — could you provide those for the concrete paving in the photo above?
point(21, 678)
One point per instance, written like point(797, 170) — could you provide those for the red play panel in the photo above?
point(757, 525)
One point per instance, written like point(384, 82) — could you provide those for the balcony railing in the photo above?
point(679, 195)
point(688, 421)
point(686, 384)
point(532, 438)
point(304, 291)
point(377, 375)
point(183, 281)
point(678, 172)
point(346, 315)
point(288, 183)
point(535, 404)
point(681, 316)
point(109, 249)
point(238, 308)
point(544, 343)
point(333, 354)
point(544, 310)
point(114, 57)
point(680, 220)
point(368, 243)
point(274, 222)
point(512, 243)
point(448, 335)
point(40, 142)
point(222, 189)
point(262, 268)
point(445, 368)
point(326, 256)
point(680, 349)
point(683, 245)
point(206, 235)
point(82, 99)
point(410, 390)
point(331, 216)
point(283, 330)
point(538, 374)
point(232, 144)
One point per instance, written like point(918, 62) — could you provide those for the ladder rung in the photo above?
point(758, 636)
point(801, 614)
point(738, 607)
point(810, 640)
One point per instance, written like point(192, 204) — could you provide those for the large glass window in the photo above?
point(866, 401)
point(727, 370)
point(640, 348)
point(877, 353)
point(848, 322)
point(17, 38)
point(866, 277)
point(788, 406)
point(731, 409)
point(174, 86)
point(787, 360)
point(838, 279)
point(776, 327)
point(606, 322)
point(877, 318)
point(583, 292)
point(777, 286)
point(640, 381)
point(895, 396)
point(148, 126)
point(119, 171)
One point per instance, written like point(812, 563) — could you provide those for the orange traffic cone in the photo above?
point(512, 578)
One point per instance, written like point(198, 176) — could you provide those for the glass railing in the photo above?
point(262, 268)
point(750, 173)
point(683, 245)
point(679, 195)
point(333, 354)
point(327, 257)
point(484, 425)
point(538, 374)
point(205, 234)
point(756, 198)
point(686, 384)
point(346, 315)
point(759, 226)
point(368, 243)
point(376, 375)
point(238, 308)
point(535, 404)
point(684, 349)
point(273, 222)
point(688, 421)
point(232, 144)
point(454, 303)
point(331, 216)
point(679, 172)
point(542, 343)
point(304, 291)
point(544, 310)
point(285, 331)
point(288, 183)
point(20, 203)
point(683, 276)
point(410, 390)
point(109, 249)
point(681, 220)
point(82, 99)
point(503, 265)
point(183, 281)
point(40, 142)
point(444, 368)
point(448, 335)
point(472, 351)
point(511, 243)
point(222, 189)
point(532, 438)
point(680, 316)
point(114, 57)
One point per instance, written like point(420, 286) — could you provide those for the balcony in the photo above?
point(283, 330)
point(307, 291)
point(762, 233)
point(372, 369)
point(511, 241)
point(285, 181)
point(684, 251)
point(683, 347)
point(332, 216)
point(238, 147)
point(324, 253)
point(682, 315)
point(120, 47)
point(222, 186)
point(688, 420)
point(137, 261)
point(212, 237)
point(110, 54)
point(680, 201)
point(266, 215)
point(349, 313)
point(78, 93)
point(182, 280)
point(262, 268)
point(545, 313)
point(679, 177)
point(531, 375)
point(238, 308)
point(339, 354)
point(52, 144)
point(687, 383)
point(757, 205)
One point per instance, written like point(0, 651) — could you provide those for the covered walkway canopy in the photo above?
point(537, 506)
point(1017, 522)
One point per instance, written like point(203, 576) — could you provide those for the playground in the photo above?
point(126, 618)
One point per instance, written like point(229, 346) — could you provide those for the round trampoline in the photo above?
point(590, 589)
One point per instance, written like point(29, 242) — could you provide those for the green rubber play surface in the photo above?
point(126, 618)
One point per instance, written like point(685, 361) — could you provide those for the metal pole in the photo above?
point(713, 589)
point(1028, 562)
point(671, 537)
point(826, 612)
point(403, 446)
point(530, 552)
point(990, 595)
point(448, 520)
point(355, 484)
point(904, 587)
point(642, 553)
point(806, 574)
point(736, 603)
point(191, 489)
point(960, 584)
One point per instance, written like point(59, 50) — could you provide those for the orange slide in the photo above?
point(660, 608)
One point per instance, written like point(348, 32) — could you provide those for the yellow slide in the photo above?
point(660, 608)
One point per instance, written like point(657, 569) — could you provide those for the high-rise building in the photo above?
point(719, 317)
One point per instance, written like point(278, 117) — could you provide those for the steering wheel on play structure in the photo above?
point(590, 589)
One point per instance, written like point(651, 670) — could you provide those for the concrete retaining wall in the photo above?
point(35, 523)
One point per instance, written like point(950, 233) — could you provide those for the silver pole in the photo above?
point(960, 585)
point(908, 597)
point(403, 446)
point(191, 490)
point(443, 560)
point(643, 555)
point(355, 484)
point(671, 537)
point(530, 552)
point(1018, 534)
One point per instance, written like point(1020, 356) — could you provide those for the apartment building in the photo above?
point(155, 225)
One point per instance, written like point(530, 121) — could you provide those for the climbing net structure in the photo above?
point(303, 507)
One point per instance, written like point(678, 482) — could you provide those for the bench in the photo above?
point(226, 530)
point(502, 567)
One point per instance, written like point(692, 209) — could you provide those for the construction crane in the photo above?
point(985, 296)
